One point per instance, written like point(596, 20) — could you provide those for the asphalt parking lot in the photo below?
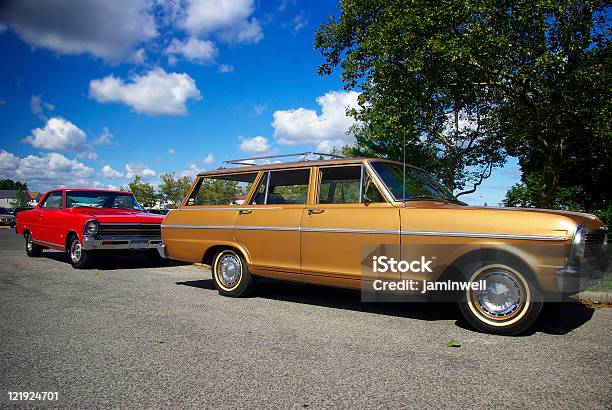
point(132, 334)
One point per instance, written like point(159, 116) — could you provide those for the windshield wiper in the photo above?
point(433, 198)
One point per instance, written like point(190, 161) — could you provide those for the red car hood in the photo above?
point(119, 215)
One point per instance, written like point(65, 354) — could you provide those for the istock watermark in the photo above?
point(423, 286)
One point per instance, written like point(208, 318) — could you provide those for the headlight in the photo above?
point(578, 245)
point(91, 228)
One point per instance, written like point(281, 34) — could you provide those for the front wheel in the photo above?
point(509, 303)
point(231, 274)
point(33, 250)
point(79, 258)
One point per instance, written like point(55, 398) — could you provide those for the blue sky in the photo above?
point(94, 92)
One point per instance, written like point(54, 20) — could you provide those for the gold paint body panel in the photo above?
point(288, 241)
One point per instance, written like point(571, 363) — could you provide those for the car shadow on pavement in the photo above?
point(555, 319)
point(113, 262)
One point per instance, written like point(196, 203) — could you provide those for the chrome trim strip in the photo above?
point(377, 232)
point(349, 230)
point(245, 228)
point(267, 208)
point(485, 235)
point(48, 243)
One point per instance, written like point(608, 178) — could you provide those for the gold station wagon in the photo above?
point(334, 221)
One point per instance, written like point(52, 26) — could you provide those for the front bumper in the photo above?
point(574, 279)
point(120, 242)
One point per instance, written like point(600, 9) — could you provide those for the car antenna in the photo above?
point(404, 170)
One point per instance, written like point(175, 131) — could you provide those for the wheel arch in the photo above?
point(69, 236)
point(513, 259)
point(207, 259)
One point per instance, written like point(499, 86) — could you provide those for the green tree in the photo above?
point(13, 185)
point(406, 59)
point(175, 189)
point(21, 199)
point(463, 80)
point(143, 191)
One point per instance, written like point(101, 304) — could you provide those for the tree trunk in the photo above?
point(550, 172)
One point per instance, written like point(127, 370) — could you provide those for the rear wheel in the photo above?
point(33, 250)
point(509, 303)
point(79, 258)
point(231, 274)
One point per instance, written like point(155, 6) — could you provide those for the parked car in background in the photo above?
point(325, 221)
point(88, 222)
point(7, 217)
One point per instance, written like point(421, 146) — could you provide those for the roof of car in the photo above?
point(90, 189)
point(293, 164)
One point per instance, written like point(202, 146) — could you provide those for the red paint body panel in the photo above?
point(52, 226)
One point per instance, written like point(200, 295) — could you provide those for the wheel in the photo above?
point(231, 274)
point(79, 258)
point(33, 250)
point(509, 304)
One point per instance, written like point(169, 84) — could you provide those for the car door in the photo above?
point(348, 223)
point(269, 228)
point(207, 217)
point(48, 227)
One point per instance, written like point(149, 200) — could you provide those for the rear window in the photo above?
point(222, 189)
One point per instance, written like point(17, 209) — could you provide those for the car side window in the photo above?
point(371, 194)
point(340, 185)
point(283, 187)
point(222, 189)
point(53, 201)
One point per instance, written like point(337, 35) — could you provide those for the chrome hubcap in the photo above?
point(29, 243)
point(502, 296)
point(76, 252)
point(229, 269)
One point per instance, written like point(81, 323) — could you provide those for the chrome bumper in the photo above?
point(573, 279)
point(120, 243)
point(161, 248)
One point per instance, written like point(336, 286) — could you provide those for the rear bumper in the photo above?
point(120, 243)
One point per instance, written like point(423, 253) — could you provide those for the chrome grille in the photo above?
point(593, 241)
point(129, 229)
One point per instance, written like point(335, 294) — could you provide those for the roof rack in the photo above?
point(304, 156)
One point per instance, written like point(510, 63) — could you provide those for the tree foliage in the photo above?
point(13, 185)
point(21, 196)
point(465, 81)
point(174, 188)
point(144, 192)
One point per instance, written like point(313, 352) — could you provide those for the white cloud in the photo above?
point(110, 172)
point(57, 134)
point(210, 158)
point(227, 18)
point(38, 107)
point(302, 126)
point(255, 145)
point(192, 171)
point(105, 138)
point(45, 171)
point(298, 23)
point(108, 29)
point(225, 68)
point(171, 151)
point(199, 51)
point(154, 93)
point(132, 169)
point(90, 155)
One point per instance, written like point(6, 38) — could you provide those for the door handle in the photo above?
point(315, 211)
point(244, 211)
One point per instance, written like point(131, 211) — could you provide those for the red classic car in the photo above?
point(85, 222)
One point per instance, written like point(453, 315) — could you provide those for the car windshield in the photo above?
point(101, 199)
point(418, 183)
